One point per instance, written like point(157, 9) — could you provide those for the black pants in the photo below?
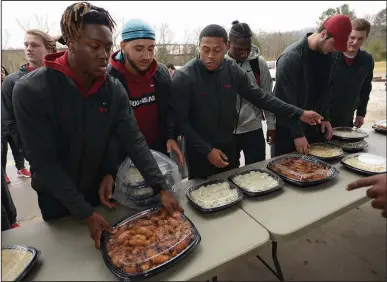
point(8, 209)
point(200, 167)
point(284, 143)
point(17, 151)
point(253, 146)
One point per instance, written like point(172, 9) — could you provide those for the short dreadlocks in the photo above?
point(78, 14)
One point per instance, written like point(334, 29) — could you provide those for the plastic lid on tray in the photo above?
point(349, 145)
point(301, 168)
point(349, 132)
point(324, 150)
point(149, 241)
point(214, 194)
point(367, 162)
point(381, 124)
point(14, 261)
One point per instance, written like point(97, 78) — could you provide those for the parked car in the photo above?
point(272, 68)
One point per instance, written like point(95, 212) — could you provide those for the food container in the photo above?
point(365, 163)
point(380, 126)
point(147, 243)
point(17, 261)
point(326, 152)
point(349, 134)
point(250, 181)
point(291, 168)
point(214, 195)
point(350, 146)
point(134, 192)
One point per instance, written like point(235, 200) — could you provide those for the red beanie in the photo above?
point(340, 27)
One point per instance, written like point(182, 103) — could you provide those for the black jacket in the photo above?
point(351, 88)
point(294, 83)
point(205, 103)
point(8, 121)
point(162, 80)
point(66, 136)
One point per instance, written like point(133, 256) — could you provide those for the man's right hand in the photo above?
point(311, 117)
point(97, 224)
point(217, 158)
point(302, 145)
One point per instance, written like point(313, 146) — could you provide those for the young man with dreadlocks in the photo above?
point(37, 44)
point(203, 97)
point(68, 111)
point(148, 84)
point(249, 133)
point(303, 78)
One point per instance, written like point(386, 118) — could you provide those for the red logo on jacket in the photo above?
point(227, 86)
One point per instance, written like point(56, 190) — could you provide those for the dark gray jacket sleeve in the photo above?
point(7, 112)
point(287, 86)
point(133, 142)
point(365, 92)
point(41, 149)
point(181, 103)
point(263, 100)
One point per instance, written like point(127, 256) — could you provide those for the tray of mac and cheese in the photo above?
point(302, 170)
point(147, 243)
point(325, 151)
point(365, 163)
point(17, 261)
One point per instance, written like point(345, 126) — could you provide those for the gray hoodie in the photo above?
point(250, 117)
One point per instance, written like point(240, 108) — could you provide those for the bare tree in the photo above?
point(5, 38)
point(116, 35)
point(164, 48)
point(39, 22)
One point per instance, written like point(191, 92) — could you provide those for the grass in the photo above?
point(380, 67)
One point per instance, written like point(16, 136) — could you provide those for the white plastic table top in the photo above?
point(68, 253)
point(293, 211)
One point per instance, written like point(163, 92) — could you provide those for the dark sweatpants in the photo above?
point(200, 167)
point(284, 143)
point(8, 209)
point(253, 146)
point(17, 151)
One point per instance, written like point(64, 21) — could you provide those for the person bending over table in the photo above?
point(68, 111)
point(203, 97)
point(378, 191)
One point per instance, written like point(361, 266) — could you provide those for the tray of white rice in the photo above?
point(214, 195)
point(257, 182)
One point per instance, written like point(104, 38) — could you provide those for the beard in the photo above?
point(133, 64)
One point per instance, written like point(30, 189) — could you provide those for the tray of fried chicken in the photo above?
point(302, 170)
point(147, 243)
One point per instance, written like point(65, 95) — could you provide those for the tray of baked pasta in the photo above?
point(257, 182)
point(325, 151)
point(148, 243)
point(365, 163)
point(17, 261)
point(214, 195)
point(302, 170)
point(380, 126)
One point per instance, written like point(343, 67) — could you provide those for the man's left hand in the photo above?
point(359, 121)
point(106, 191)
point(327, 127)
point(173, 146)
point(169, 202)
point(270, 137)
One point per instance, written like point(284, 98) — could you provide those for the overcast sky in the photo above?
point(181, 15)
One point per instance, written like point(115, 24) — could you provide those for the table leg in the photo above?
point(278, 271)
